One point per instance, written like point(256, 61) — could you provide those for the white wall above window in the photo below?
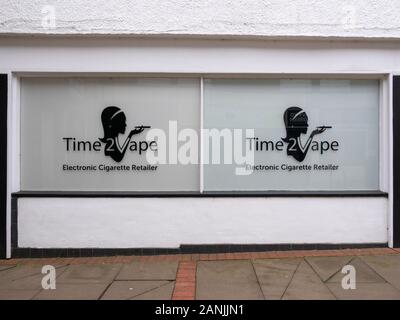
point(222, 18)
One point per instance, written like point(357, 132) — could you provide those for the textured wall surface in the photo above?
point(216, 18)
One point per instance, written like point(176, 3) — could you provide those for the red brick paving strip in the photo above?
point(185, 284)
point(192, 258)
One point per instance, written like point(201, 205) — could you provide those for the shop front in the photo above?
point(166, 146)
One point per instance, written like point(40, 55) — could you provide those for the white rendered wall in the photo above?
point(197, 56)
point(221, 18)
point(169, 222)
point(116, 223)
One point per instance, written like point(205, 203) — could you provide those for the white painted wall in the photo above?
point(116, 223)
point(169, 222)
point(197, 56)
point(222, 18)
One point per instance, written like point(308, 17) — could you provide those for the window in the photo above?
point(143, 134)
point(308, 134)
point(84, 134)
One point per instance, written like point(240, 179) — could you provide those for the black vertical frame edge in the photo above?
point(14, 223)
point(3, 165)
point(396, 161)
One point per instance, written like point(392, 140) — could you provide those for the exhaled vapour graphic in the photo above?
point(296, 123)
point(114, 123)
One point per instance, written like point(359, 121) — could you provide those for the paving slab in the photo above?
point(6, 267)
point(366, 291)
point(326, 267)
point(148, 271)
point(364, 273)
point(17, 294)
point(306, 285)
point(161, 293)
point(388, 267)
point(124, 290)
point(73, 291)
point(20, 271)
point(275, 275)
point(227, 280)
point(25, 278)
point(100, 273)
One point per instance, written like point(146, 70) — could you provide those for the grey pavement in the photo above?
point(377, 277)
point(227, 280)
point(91, 282)
point(149, 271)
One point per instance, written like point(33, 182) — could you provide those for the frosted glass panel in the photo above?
point(308, 134)
point(80, 134)
point(90, 134)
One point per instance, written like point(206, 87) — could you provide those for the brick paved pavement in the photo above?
point(255, 275)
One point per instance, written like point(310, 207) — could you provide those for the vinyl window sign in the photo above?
point(92, 134)
point(306, 134)
point(144, 134)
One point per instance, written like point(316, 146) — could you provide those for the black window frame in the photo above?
point(3, 164)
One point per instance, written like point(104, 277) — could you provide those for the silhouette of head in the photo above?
point(114, 122)
point(296, 122)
